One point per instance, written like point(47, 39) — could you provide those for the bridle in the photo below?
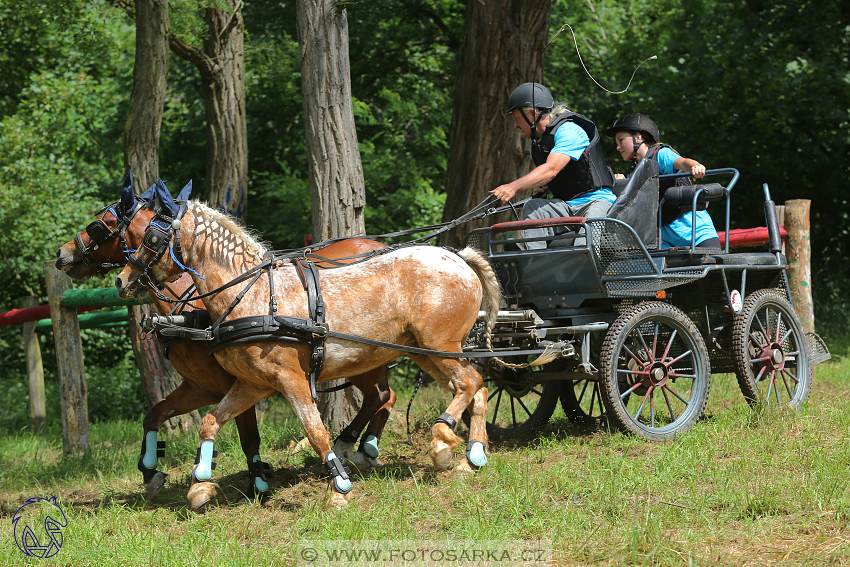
point(158, 236)
point(99, 234)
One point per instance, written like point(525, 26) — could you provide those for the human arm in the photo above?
point(540, 175)
point(686, 164)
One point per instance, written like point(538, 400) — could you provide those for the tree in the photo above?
point(141, 154)
point(221, 63)
point(503, 47)
point(336, 174)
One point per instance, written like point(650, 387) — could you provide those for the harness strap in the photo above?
point(309, 275)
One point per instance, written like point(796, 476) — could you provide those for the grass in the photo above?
point(746, 487)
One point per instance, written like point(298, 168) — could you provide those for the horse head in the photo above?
point(151, 233)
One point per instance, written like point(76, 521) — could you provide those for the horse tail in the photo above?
point(491, 295)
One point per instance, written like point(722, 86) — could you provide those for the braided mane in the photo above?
point(229, 239)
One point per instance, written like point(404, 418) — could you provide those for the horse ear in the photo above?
point(166, 203)
point(128, 198)
point(185, 192)
point(149, 195)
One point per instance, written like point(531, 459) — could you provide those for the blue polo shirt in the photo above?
point(678, 232)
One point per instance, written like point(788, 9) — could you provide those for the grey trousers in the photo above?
point(554, 208)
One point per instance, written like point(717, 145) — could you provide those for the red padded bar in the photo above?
point(743, 237)
point(537, 223)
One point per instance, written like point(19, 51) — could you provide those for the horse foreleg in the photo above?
point(297, 392)
point(183, 399)
point(237, 400)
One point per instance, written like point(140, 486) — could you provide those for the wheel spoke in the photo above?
point(761, 372)
point(672, 391)
point(787, 388)
point(669, 406)
point(522, 405)
point(764, 333)
point(630, 390)
point(769, 387)
point(675, 360)
point(536, 392)
point(778, 325)
point(762, 359)
point(513, 411)
point(669, 344)
point(650, 355)
point(675, 375)
point(643, 402)
point(583, 390)
point(496, 409)
point(655, 339)
point(638, 372)
point(634, 357)
point(776, 388)
point(786, 335)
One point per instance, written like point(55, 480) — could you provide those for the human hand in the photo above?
point(698, 170)
point(619, 176)
point(504, 193)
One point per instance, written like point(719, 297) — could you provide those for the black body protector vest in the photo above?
point(578, 176)
point(669, 213)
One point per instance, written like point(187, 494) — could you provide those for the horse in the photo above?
point(418, 296)
point(99, 249)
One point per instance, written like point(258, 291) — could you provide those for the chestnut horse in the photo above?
point(205, 381)
point(420, 296)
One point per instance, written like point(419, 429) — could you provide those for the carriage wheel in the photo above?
point(582, 402)
point(654, 372)
point(770, 351)
point(517, 404)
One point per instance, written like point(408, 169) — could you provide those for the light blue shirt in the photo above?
point(572, 140)
point(678, 232)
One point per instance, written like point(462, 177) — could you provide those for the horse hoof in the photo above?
point(344, 450)
point(338, 500)
point(154, 487)
point(463, 467)
point(441, 457)
point(364, 462)
point(200, 494)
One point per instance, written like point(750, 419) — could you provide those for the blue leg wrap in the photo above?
point(149, 453)
point(475, 454)
point(340, 473)
point(370, 446)
point(204, 464)
point(257, 468)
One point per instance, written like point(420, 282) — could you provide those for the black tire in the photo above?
point(582, 402)
point(517, 404)
point(653, 355)
point(770, 351)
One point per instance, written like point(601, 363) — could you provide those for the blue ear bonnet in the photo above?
point(128, 197)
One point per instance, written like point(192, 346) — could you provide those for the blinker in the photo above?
point(98, 232)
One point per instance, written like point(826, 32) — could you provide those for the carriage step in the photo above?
point(817, 348)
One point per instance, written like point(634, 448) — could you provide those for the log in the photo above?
point(35, 370)
point(799, 252)
point(73, 390)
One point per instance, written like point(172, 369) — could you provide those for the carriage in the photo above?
point(641, 330)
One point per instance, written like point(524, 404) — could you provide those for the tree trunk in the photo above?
point(158, 375)
point(224, 100)
point(336, 173)
point(503, 46)
point(147, 99)
point(141, 153)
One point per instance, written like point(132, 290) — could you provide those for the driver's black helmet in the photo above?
point(530, 94)
point(637, 123)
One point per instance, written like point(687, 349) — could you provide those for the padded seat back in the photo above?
point(637, 202)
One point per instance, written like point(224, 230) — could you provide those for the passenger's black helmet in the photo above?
point(635, 122)
point(530, 94)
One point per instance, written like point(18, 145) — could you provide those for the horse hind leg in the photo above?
point(249, 437)
point(378, 401)
point(476, 448)
point(461, 379)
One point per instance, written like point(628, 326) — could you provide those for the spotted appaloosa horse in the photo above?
point(417, 296)
point(205, 381)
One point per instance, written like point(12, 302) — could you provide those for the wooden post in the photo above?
point(35, 370)
point(799, 259)
point(73, 390)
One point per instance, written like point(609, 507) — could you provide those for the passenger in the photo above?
point(637, 137)
point(565, 148)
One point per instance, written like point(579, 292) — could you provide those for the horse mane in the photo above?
point(227, 235)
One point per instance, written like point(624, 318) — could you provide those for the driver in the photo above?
point(637, 138)
point(565, 150)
